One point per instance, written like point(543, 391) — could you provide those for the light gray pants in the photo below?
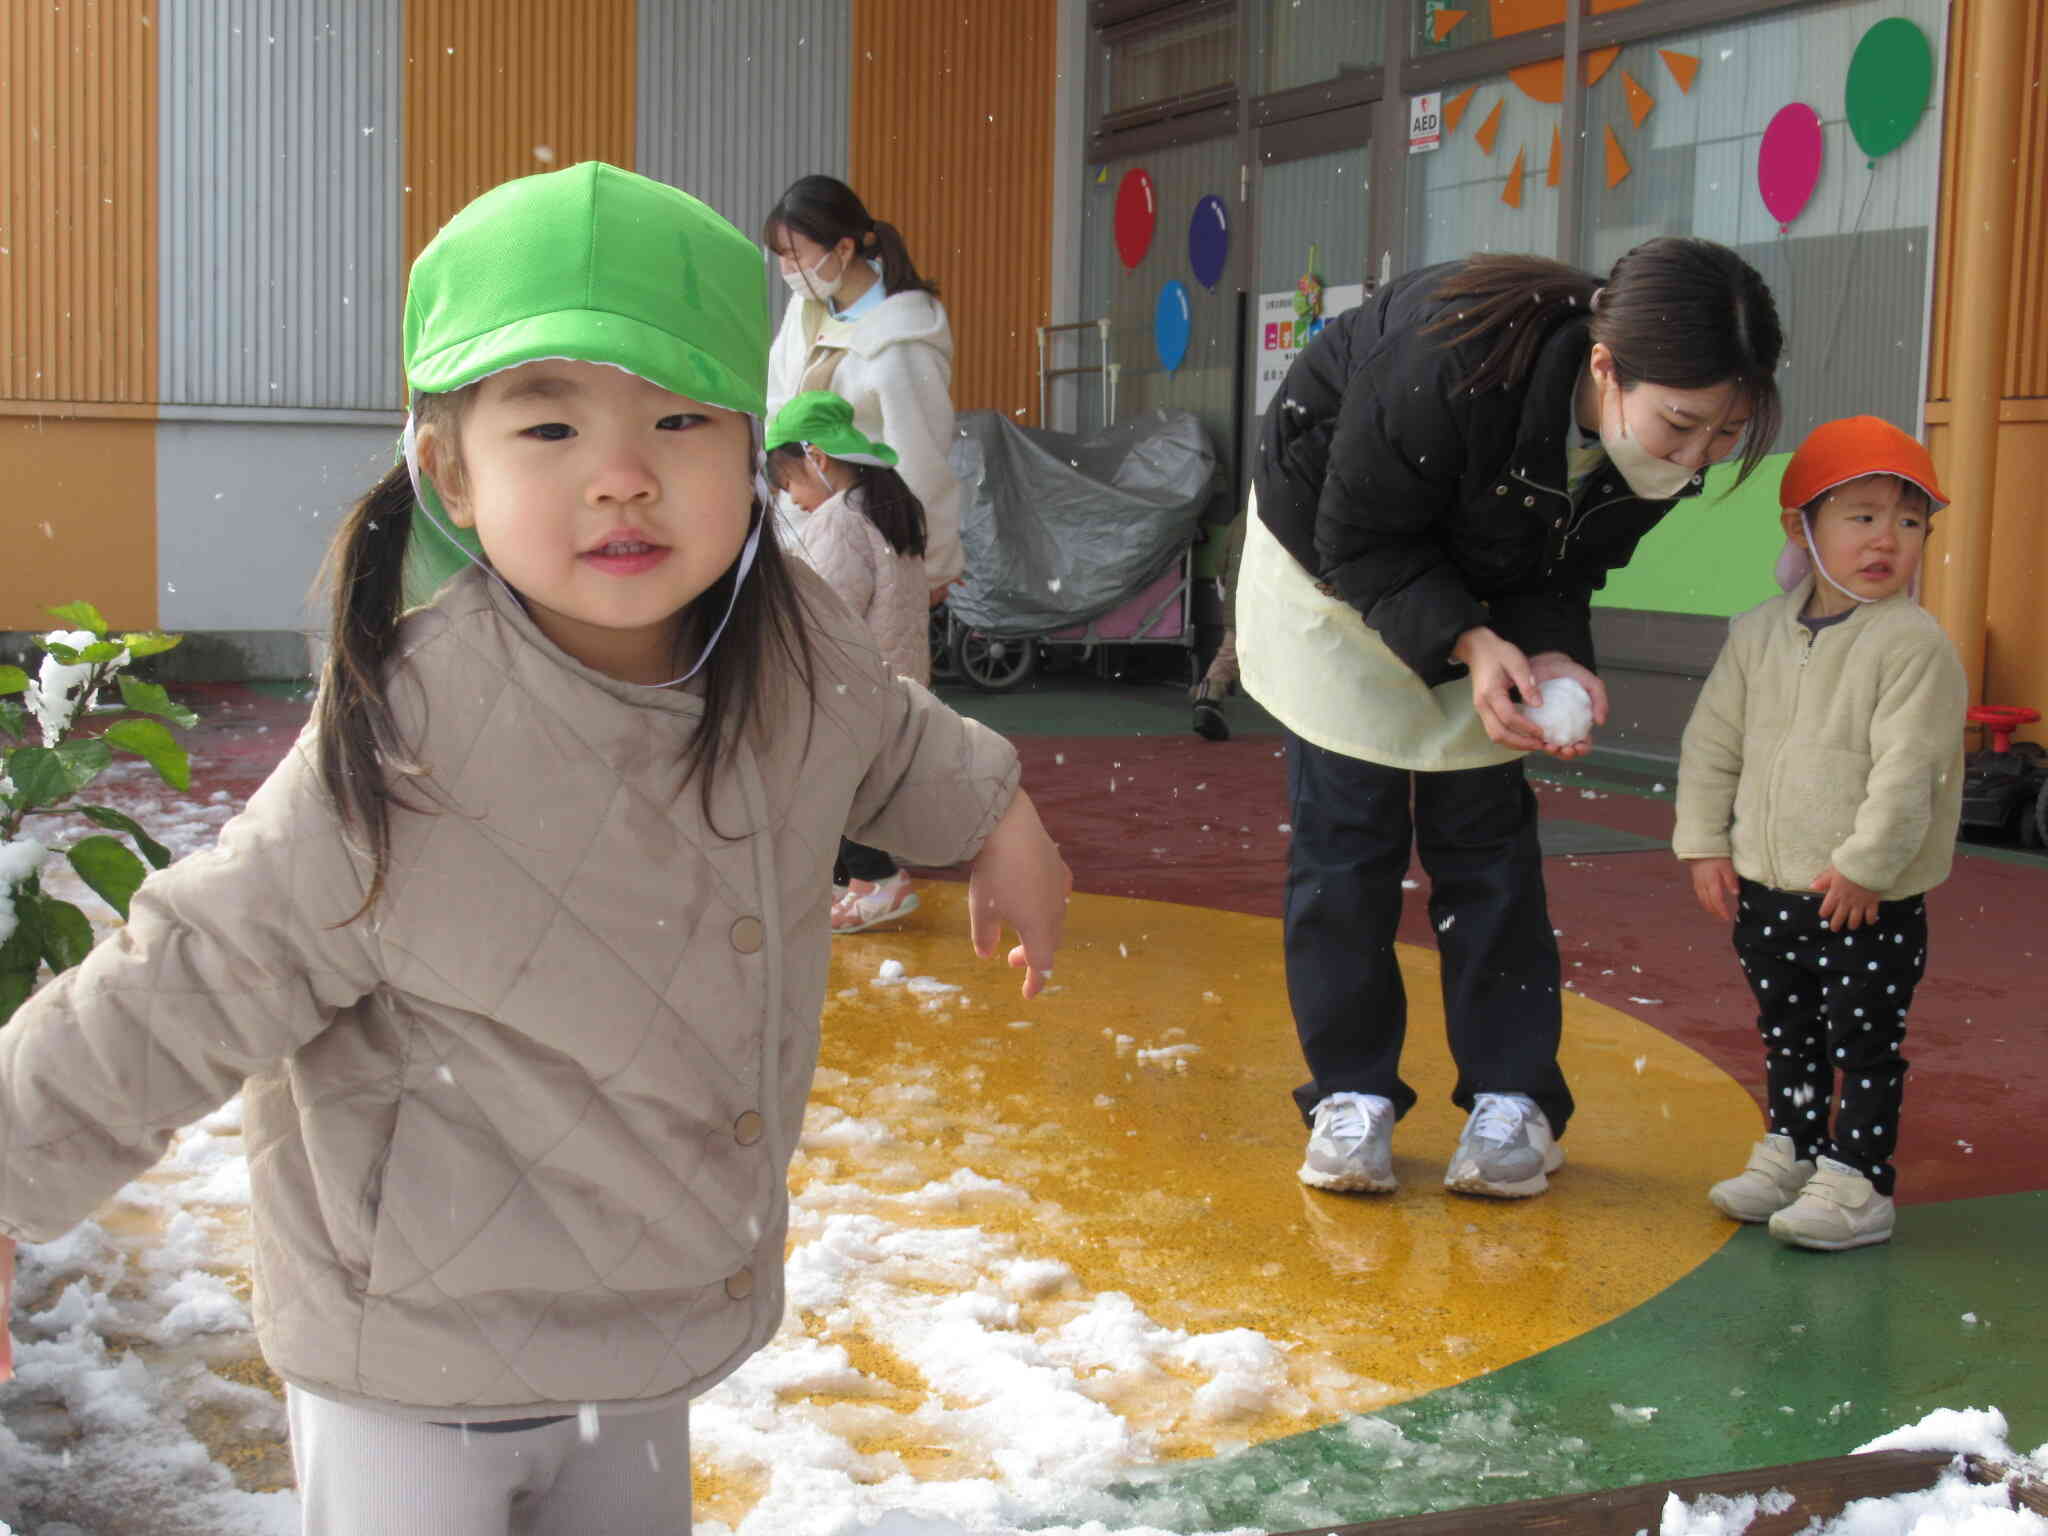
point(364, 1473)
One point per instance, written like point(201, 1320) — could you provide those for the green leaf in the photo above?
point(13, 720)
point(109, 868)
point(67, 933)
point(152, 700)
point(81, 616)
point(45, 775)
point(22, 955)
point(15, 987)
point(12, 680)
point(61, 651)
point(156, 746)
point(102, 650)
point(152, 850)
point(149, 643)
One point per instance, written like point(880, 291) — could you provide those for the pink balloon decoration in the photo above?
point(1788, 161)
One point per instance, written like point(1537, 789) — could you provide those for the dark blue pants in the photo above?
point(1833, 1003)
point(857, 861)
point(1353, 825)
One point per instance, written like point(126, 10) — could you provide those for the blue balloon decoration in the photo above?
point(1209, 240)
point(1172, 321)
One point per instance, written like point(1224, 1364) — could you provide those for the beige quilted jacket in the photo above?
point(1843, 747)
point(885, 590)
point(520, 1143)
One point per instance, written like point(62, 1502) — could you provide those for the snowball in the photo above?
point(1564, 713)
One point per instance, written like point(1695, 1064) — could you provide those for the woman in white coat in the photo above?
point(864, 324)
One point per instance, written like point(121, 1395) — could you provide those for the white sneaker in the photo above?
point(1351, 1146)
point(1839, 1208)
point(1507, 1150)
point(1772, 1181)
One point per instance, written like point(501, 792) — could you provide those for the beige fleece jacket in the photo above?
point(1840, 748)
point(519, 1143)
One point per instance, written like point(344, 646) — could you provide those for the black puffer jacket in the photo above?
point(1429, 508)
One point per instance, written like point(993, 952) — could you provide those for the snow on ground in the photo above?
point(1954, 1506)
point(934, 1377)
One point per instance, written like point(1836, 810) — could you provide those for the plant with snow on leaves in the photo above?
point(37, 929)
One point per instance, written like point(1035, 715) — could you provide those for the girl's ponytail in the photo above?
point(891, 505)
point(899, 273)
point(358, 740)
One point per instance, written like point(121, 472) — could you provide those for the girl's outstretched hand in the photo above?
point(1019, 878)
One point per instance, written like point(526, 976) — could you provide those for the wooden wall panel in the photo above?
point(78, 202)
point(952, 143)
point(2015, 659)
point(2026, 364)
point(501, 88)
point(81, 519)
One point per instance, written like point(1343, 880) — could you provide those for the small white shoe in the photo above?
point(1351, 1145)
point(1838, 1208)
point(1507, 1150)
point(1772, 1181)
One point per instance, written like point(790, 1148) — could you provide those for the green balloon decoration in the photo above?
point(1891, 75)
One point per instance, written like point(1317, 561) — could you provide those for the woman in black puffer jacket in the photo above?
point(1445, 477)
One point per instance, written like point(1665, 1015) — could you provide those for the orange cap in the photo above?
point(1837, 452)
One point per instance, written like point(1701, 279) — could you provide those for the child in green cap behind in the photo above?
point(518, 958)
point(863, 531)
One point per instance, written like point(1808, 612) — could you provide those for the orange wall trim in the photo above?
point(78, 201)
point(501, 88)
point(952, 129)
point(81, 520)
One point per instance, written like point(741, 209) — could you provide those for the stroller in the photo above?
point(1072, 541)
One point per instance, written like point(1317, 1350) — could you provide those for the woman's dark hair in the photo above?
point(1675, 311)
point(826, 210)
point(885, 496)
point(363, 755)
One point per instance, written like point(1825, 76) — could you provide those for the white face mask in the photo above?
point(1650, 477)
point(805, 283)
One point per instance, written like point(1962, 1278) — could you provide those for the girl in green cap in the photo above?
point(518, 958)
point(863, 531)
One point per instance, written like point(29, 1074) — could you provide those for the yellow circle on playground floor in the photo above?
point(1143, 1106)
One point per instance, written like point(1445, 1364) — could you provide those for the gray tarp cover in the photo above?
point(1058, 529)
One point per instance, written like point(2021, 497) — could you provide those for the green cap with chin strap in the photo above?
point(820, 419)
point(592, 264)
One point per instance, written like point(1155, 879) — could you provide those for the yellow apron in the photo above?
point(1312, 662)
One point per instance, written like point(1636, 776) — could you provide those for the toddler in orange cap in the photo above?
point(1819, 789)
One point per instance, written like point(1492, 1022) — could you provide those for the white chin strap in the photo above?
point(425, 499)
point(1806, 522)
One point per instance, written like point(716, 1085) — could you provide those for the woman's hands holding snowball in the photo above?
point(1498, 666)
point(1567, 730)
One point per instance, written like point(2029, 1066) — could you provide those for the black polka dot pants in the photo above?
point(1832, 1006)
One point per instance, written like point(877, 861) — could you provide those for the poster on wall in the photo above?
point(1280, 336)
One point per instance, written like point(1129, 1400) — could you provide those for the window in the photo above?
point(1491, 186)
point(1310, 41)
point(1148, 65)
point(1444, 26)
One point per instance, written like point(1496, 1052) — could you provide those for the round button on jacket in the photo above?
point(747, 1129)
point(748, 935)
point(740, 1284)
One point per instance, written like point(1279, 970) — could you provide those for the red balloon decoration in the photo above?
point(1137, 216)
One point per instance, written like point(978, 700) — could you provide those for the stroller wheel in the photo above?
point(990, 663)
